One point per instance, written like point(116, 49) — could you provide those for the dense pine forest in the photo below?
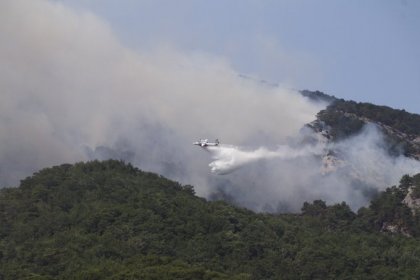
point(110, 220)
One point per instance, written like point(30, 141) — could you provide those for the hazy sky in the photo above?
point(361, 50)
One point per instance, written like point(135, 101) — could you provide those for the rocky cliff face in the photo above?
point(412, 200)
point(342, 119)
point(396, 140)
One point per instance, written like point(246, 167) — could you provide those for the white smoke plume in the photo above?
point(70, 91)
point(229, 158)
point(282, 180)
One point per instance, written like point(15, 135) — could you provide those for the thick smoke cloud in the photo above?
point(70, 91)
point(282, 179)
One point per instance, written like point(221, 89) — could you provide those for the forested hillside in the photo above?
point(109, 220)
point(343, 118)
point(400, 120)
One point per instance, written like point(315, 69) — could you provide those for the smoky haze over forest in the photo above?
point(70, 91)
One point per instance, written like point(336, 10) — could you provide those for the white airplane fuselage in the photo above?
point(205, 143)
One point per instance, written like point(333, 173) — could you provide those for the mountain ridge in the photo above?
point(343, 118)
point(110, 220)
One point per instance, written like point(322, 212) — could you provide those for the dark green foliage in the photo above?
point(318, 96)
point(341, 125)
point(317, 208)
point(398, 119)
point(415, 180)
point(388, 209)
point(109, 220)
point(347, 118)
point(405, 182)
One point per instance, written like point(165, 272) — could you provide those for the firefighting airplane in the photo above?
point(205, 143)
